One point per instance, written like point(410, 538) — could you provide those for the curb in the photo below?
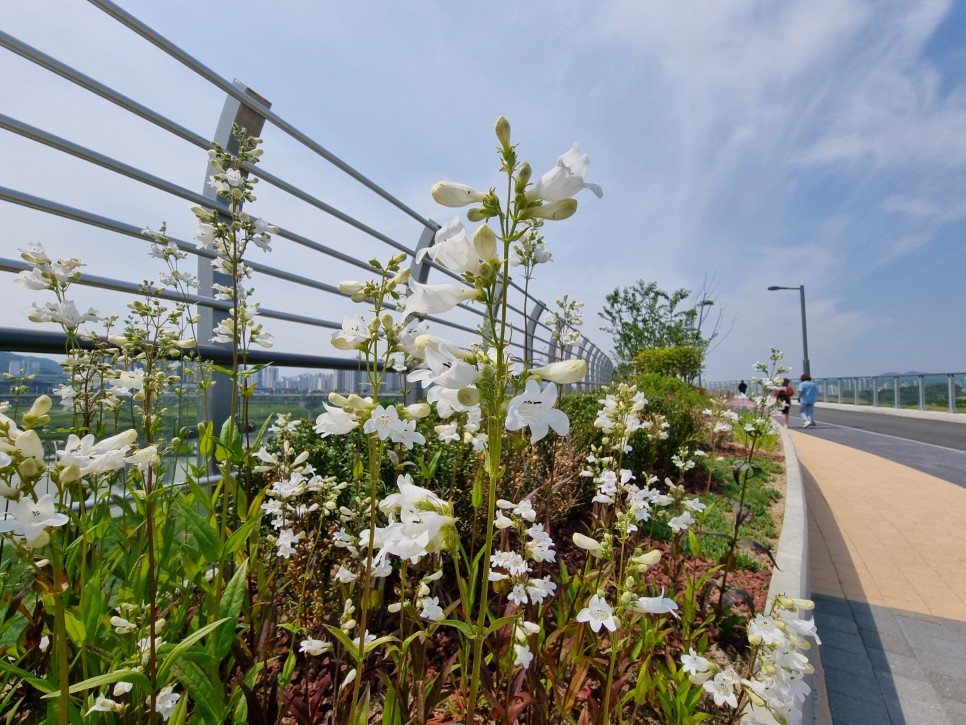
point(898, 412)
point(792, 578)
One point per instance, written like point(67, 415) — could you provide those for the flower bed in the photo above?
point(491, 553)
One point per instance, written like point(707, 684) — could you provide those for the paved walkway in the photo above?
point(887, 552)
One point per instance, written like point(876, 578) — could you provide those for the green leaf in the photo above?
point(390, 713)
point(75, 629)
point(42, 685)
point(347, 644)
point(229, 443)
point(467, 629)
point(477, 498)
point(183, 645)
point(232, 600)
point(237, 540)
point(204, 533)
point(134, 676)
point(208, 702)
point(499, 624)
point(206, 438)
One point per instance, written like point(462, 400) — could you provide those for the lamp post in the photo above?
point(801, 290)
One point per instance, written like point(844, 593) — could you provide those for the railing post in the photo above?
point(875, 391)
point(838, 384)
point(896, 388)
point(420, 272)
point(233, 112)
point(855, 391)
point(921, 379)
point(951, 395)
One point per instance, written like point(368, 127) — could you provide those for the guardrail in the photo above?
point(335, 261)
point(913, 391)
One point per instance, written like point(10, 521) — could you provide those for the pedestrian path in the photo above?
point(887, 560)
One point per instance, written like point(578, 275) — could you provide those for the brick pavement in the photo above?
point(887, 560)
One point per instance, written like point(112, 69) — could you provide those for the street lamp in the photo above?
point(801, 290)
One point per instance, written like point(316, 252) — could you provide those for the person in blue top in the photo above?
point(807, 395)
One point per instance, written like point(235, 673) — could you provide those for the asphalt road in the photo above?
point(934, 447)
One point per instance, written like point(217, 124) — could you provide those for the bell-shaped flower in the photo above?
point(447, 401)
point(354, 335)
point(563, 371)
point(409, 495)
point(449, 193)
point(486, 244)
point(335, 421)
point(655, 605)
point(443, 367)
point(598, 613)
point(695, 666)
point(565, 179)
point(452, 249)
point(591, 546)
point(31, 519)
point(383, 421)
point(432, 299)
point(533, 408)
point(407, 435)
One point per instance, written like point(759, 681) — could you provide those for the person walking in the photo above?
point(807, 395)
point(784, 395)
point(742, 387)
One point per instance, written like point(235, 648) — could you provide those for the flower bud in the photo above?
point(30, 468)
point(555, 210)
point(563, 371)
point(478, 214)
point(417, 411)
point(449, 193)
point(485, 243)
point(394, 607)
point(523, 175)
point(503, 132)
point(351, 287)
point(468, 396)
point(337, 399)
point(588, 544)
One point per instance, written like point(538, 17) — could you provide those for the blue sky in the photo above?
point(748, 143)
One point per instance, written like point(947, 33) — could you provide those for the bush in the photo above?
point(682, 362)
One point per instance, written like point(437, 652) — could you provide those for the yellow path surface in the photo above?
point(881, 532)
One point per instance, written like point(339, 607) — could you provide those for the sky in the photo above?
point(739, 145)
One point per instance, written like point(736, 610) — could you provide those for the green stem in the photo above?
point(60, 636)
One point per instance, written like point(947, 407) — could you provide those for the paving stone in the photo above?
point(948, 688)
point(846, 661)
point(850, 642)
point(896, 644)
point(832, 605)
point(851, 711)
point(850, 685)
point(897, 664)
point(834, 623)
point(940, 663)
point(956, 711)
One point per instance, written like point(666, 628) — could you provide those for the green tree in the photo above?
point(645, 317)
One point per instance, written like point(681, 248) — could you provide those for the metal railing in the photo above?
point(913, 391)
point(304, 286)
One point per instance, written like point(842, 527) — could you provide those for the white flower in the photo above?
point(448, 432)
point(431, 609)
point(122, 688)
point(104, 704)
point(533, 408)
point(166, 701)
point(383, 421)
point(449, 193)
point(565, 179)
point(695, 505)
point(540, 589)
point(354, 335)
point(518, 595)
point(682, 522)
point(122, 626)
point(722, 687)
point(344, 576)
point(335, 422)
point(31, 519)
point(314, 647)
point(522, 656)
point(695, 666)
point(143, 458)
point(452, 249)
point(563, 371)
point(407, 435)
point(284, 545)
point(588, 544)
point(432, 299)
point(764, 629)
point(656, 605)
point(598, 613)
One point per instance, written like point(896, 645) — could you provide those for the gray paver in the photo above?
point(949, 688)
